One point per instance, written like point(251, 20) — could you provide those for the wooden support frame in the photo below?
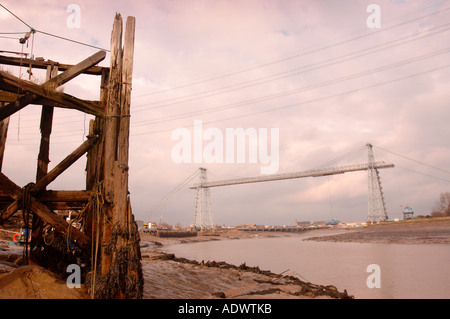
point(104, 206)
point(15, 192)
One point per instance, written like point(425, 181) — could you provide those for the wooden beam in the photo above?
point(120, 210)
point(54, 82)
point(57, 200)
point(94, 70)
point(12, 107)
point(110, 145)
point(43, 157)
point(46, 130)
point(52, 97)
point(74, 71)
point(3, 134)
point(37, 207)
point(64, 196)
point(8, 96)
point(64, 164)
point(53, 174)
point(49, 196)
point(9, 210)
point(113, 109)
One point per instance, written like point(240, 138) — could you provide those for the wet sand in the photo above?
point(168, 277)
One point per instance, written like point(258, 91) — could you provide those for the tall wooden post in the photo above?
point(3, 134)
point(43, 157)
point(120, 274)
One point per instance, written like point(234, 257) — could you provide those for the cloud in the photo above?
point(235, 64)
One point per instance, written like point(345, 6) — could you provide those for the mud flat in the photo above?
point(167, 276)
point(417, 231)
point(219, 235)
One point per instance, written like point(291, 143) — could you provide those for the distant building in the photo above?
point(246, 226)
point(302, 223)
point(408, 213)
point(150, 225)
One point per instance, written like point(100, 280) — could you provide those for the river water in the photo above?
point(405, 270)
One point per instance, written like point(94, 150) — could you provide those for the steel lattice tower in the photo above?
point(202, 210)
point(376, 205)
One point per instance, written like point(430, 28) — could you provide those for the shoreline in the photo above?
point(422, 231)
point(169, 277)
point(209, 286)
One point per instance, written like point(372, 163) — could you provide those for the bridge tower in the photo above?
point(202, 210)
point(376, 204)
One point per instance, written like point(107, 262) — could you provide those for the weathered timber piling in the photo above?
point(119, 244)
point(101, 234)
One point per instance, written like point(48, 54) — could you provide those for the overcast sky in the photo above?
point(314, 70)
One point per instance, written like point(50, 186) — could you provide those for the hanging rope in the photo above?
point(97, 213)
point(26, 217)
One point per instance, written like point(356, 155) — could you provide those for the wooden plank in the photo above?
point(120, 210)
point(64, 164)
point(74, 71)
point(48, 196)
point(51, 97)
point(46, 130)
point(43, 157)
point(8, 96)
point(55, 81)
point(95, 158)
point(64, 196)
point(66, 206)
point(113, 108)
point(3, 134)
point(10, 210)
point(127, 78)
point(37, 207)
point(12, 107)
point(110, 145)
point(53, 199)
point(94, 70)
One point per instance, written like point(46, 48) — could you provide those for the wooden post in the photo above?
point(110, 146)
point(121, 274)
point(128, 234)
point(3, 134)
point(43, 158)
point(46, 130)
point(95, 164)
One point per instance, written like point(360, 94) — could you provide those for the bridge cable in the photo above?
point(411, 159)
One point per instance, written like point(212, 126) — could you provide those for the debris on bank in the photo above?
point(296, 286)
